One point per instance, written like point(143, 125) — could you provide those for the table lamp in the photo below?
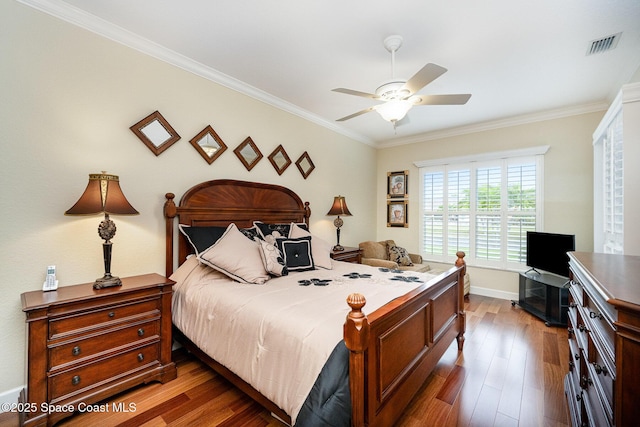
point(339, 208)
point(103, 195)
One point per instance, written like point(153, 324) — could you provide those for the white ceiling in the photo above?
point(516, 58)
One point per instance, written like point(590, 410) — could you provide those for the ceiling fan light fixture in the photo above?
point(394, 110)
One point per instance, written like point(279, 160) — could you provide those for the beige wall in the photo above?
point(68, 99)
point(568, 183)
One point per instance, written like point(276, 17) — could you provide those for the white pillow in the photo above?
point(321, 249)
point(236, 256)
point(272, 258)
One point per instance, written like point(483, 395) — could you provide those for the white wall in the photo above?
point(68, 99)
point(568, 188)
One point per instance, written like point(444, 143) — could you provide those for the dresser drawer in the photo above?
point(596, 414)
point(600, 386)
point(603, 331)
point(575, 361)
point(85, 322)
point(81, 379)
point(84, 349)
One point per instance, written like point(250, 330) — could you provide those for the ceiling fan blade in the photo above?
point(426, 75)
point(356, 93)
point(458, 99)
point(351, 116)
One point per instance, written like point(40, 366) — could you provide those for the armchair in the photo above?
point(376, 254)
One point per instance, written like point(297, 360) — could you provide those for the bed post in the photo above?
point(356, 337)
point(307, 213)
point(460, 262)
point(170, 212)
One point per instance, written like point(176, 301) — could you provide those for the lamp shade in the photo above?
point(394, 110)
point(102, 195)
point(339, 207)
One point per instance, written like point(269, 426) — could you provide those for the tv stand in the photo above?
point(544, 295)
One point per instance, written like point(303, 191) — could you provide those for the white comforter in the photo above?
point(275, 336)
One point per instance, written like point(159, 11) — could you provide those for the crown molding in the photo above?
point(89, 22)
point(498, 124)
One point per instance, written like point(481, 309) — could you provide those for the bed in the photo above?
point(391, 346)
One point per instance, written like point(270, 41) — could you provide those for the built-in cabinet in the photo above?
point(601, 385)
point(616, 144)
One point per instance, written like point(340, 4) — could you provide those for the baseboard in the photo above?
point(486, 292)
point(9, 397)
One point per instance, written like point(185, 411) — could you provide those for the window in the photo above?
point(483, 208)
point(612, 188)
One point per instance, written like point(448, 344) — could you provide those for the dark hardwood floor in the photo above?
point(509, 374)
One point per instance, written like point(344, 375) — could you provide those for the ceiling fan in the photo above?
point(400, 95)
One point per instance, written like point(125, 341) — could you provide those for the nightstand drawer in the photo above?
point(83, 349)
point(88, 321)
point(83, 378)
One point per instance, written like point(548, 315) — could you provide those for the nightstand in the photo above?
point(347, 255)
point(85, 345)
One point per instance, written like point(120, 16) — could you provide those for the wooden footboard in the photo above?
point(395, 348)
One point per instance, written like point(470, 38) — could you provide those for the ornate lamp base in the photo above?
point(107, 282)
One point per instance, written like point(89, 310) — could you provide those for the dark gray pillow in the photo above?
point(296, 253)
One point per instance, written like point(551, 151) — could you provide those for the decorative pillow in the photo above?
point(236, 256)
point(320, 249)
point(201, 237)
point(281, 229)
point(251, 233)
point(272, 258)
point(399, 255)
point(296, 253)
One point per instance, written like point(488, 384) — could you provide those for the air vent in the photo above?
point(604, 44)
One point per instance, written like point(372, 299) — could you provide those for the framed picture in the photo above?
point(397, 213)
point(156, 132)
point(397, 184)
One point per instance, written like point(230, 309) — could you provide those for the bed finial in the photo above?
point(170, 213)
point(169, 206)
point(356, 338)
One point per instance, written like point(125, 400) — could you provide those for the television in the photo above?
point(548, 251)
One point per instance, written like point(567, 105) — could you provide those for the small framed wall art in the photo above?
point(156, 132)
point(279, 159)
point(305, 165)
point(397, 184)
point(208, 144)
point(248, 153)
point(397, 213)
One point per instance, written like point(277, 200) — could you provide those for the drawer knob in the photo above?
point(140, 357)
point(573, 305)
point(582, 328)
point(112, 314)
point(140, 332)
point(600, 369)
point(594, 315)
point(586, 381)
point(576, 356)
point(75, 380)
point(76, 350)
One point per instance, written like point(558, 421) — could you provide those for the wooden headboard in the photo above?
point(223, 201)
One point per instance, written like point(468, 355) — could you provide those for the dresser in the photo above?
point(85, 345)
point(603, 383)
